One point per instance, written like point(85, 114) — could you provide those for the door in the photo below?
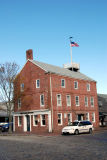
point(28, 122)
point(80, 117)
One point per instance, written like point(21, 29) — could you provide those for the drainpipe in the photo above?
point(51, 100)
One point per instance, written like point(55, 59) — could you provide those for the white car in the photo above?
point(77, 127)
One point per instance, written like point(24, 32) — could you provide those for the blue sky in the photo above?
point(46, 25)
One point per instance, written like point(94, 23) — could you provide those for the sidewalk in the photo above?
point(99, 129)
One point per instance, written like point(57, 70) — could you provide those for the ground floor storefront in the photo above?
point(38, 121)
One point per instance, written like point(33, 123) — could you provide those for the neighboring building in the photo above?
point(102, 103)
point(48, 97)
point(3, 113)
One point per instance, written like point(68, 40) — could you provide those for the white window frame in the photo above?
point(37, 86)
point(42, 105)
point(41, 116)
point(92, 101)
point(59, 100)
point(68, 101)
point(75, 84)
point(34, 120)
point(87, 116)
point(70, 117)
point(19, 103)
point(22, 87)
point(76, 101)
point(88, 86)
point(86, 101)
point(93, 117)
point(63, 83)
point(19, 124)
point(60, 118)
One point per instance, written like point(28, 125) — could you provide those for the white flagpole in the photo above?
point(71, 48)
point(71, 52)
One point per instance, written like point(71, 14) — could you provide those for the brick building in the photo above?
point(48, 97)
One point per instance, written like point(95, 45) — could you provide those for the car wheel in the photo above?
point(76, 132)
point(90, 130)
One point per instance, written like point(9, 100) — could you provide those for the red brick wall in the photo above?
point(31, 95)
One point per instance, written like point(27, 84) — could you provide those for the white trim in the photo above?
point(14, 123)
point(51, 126)
point(42, 105)
point(64, 83)
point(92, 101)
point(31, 112)
point(86, 104)
point(70, 116)
point(30, 124)
point(88, 117)
point(68, 105)
point(76, 84)
point(88, 87)
point(59, 99)
point(37, 83)
point(93, 117)
point(37, 65)
point(19, 125)
point(42, 119)
point(78, 101)
point(34, 120)
point(61, 119)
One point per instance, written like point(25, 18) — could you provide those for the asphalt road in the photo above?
point(70, 147)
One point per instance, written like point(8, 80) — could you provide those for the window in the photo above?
point(69, 118)
point(77, 100)
point(63, 83)
point(88, 87)
point(86, 101)
point(87, 116)
point(68, 100)
point(92, 101)
point(35, 120)
point(43, 120)
point(75, 85)
point(93, 117)
point(37, 83)
point(42, 99)
point(59, 103)
point(19, 103)
point(59, 118)
point(19, 121)
point(22, 87)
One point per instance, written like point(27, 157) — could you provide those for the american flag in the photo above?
point(73, 44)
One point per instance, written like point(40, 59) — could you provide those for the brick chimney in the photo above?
point(29, 54)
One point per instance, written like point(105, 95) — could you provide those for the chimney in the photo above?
point(29, 54)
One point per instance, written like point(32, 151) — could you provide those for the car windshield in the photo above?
point(73, 124)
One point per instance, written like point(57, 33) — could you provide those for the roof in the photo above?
point(61, 71)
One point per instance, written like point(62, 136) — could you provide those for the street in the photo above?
point(69, 147)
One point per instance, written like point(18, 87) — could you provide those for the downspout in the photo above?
point(51, 101)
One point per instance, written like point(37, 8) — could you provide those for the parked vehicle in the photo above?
point(77, 127)
point(5, 127)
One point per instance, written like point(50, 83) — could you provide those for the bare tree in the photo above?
point(8, 72)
